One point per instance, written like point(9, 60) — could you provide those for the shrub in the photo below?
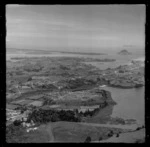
point(17, 122)
point(88, 139)
point(44, 116)
point(100, 138)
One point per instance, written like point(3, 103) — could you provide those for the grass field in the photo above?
point(36, 103)
point(22, 102)
point(11, 106)
point(62, 132)
point(37, 136)
point(74, 132)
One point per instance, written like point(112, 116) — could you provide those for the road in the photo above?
point(49, 130)
point(128, 127)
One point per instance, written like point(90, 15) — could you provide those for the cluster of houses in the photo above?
point(31, 129)
point(88, 108)
point(29, 126)
point(13, 115)
point(82, 109)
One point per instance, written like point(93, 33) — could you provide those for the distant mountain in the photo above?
point(124, 52)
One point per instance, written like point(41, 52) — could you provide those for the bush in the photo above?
point(110, 134)
point(17, 122)
point(43, 116)
point(100, 138)
point(88, 139)
point(29, 79)
point(63, 67)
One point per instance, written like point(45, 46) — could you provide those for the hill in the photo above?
point(124, 52)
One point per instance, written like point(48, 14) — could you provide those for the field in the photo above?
point(36, 103)
point(11, 106)
point(74, 132)
point(63, 132)
point(35, 97)
point(22, 102)
point(37, 136)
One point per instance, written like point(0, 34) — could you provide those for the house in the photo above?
point(31, 129)
point(24, 118)
point(88, 108)
point(24, 124)
point(25, 87)
point(28, 124)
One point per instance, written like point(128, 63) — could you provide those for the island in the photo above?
point(124, 52)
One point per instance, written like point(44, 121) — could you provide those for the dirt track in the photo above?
point(49, 130)
point(128, 127)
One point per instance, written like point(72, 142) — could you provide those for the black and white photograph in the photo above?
point(75, 73)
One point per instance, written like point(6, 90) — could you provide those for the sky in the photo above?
point(75, 27)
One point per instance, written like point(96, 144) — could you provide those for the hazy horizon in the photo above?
point(75, 27)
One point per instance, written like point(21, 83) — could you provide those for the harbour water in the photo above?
point(130, 103)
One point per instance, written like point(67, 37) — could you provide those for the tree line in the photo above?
point(44, 116)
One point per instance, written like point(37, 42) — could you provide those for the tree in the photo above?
point(29, 79)
point(63, 67)
point(17, 122)
point(54, 117)
point(100, 138)
point(88, 139)
point(110, 133)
